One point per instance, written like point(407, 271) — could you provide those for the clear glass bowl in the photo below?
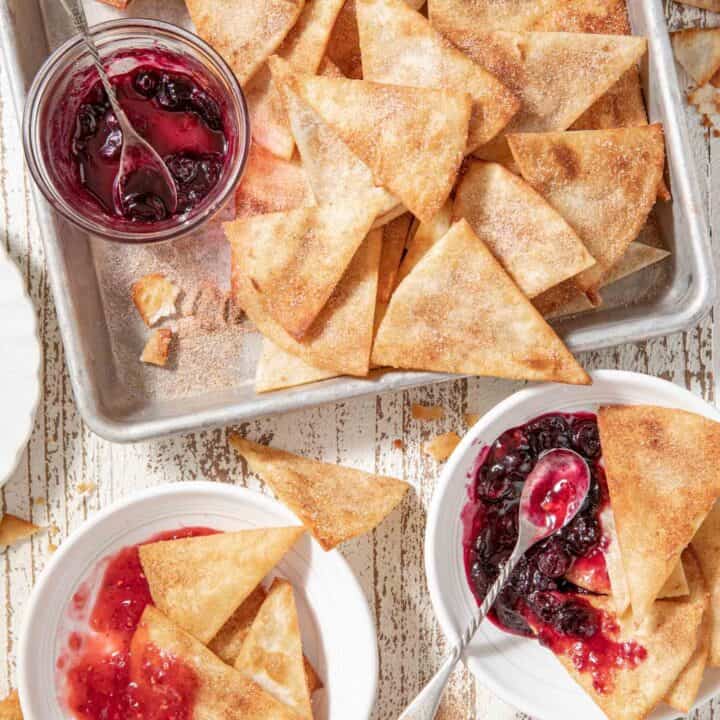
point(58, 89)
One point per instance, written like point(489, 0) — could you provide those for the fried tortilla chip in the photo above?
point(278, 369)
point(14, 530)
point(669, 636)
point(566, 299)
point(303, 48)
point(426, 235)
point(334, 503)
point(458, 311)
point(395, 236)
point(272, 653)
point(270, 185)
point(294, 260)
point(400, 47)
point(557, 76)
point(221, 691)
point(706, 545)
point(10, 707)
point(660, 464)
point(244, 32)
point(603, 182)
point(199, 582)
point(340, 339)
point(534, 244)
point(344, 44)
point(412, 139)
point(157, 348)
point(698, 51)
point(154, 296)
point(333, 170)
point(228, 642)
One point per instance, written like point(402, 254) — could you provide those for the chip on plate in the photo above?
point(706, 545)
point(335, 503)
point(395, 235)
point(199, 582)
point(227, 643)
point(458, 311)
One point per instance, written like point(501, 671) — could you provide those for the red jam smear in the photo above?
point(103, 680)
point(179, 118)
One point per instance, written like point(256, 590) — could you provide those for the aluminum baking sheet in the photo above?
point(211, 381)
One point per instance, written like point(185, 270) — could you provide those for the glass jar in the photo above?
point(59, 88)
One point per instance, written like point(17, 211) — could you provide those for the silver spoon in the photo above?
point(137, 156)
point(553, 493)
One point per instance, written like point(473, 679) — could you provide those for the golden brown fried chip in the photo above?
point(698, 51)
point(441, 447)
point(244, 32)
point(660, 464)
point(278, 369)
point(534, 244)
point(400, 47)
point(154, 297)
point(199, 582)
point(10, 707)
point(334, 503)
point(395, 236)
point(157, 348)
point(272, 653)
point(221, 692)
point(706, 545)
point(458, 311)
point(340, 339)
point(228, 642)
point(14, 530)
point(344, 44)
point(412, 139)
point(294, 260)
point(603, 182)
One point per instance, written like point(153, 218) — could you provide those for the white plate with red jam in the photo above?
point(472, 527)
point(74, 653)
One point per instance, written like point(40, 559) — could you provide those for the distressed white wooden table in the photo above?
point(68, 473)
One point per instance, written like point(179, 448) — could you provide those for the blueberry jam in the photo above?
point(180, 119)
point(541, 598)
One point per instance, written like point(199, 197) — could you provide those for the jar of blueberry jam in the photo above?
point(178, 94)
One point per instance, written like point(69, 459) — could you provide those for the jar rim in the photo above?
point(48, 73)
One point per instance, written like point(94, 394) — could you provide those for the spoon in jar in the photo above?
point(552, 495)
point(141, 169)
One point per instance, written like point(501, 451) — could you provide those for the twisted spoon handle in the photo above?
point(425, 705)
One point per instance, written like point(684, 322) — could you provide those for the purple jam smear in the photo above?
point(176, 115)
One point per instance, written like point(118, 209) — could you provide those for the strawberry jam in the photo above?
point(541, 599)
point(102, 679)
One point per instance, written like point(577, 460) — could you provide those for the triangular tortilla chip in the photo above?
point(244, 32)
point(603, 182)
point(400, 47)
point(698, 51)
point(221, 691)
point(303, 48)
point(344, 44)
point(669, 636)
point(270, 185)
point(272, 653)
point(294, 260)
point(335, 503)
point(534, 244)
point(706, 545)
point(663, 479)
point(278, 369)
point(340, 339)
point(413, 139)
point(335, 173)
point(566, 299)
point(557, 76)
point(199, 582)
point(426, 235)
point(458, 311)
point(14, 529)
point(10, 707)
point(228, 642)
point(395, 236)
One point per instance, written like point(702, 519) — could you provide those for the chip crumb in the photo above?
point(155, 297)
point(39, 501)
point(52, 548)
point(398, 444)
point(441, 447)
point(14, 529)
point(157, 348)
point(86, 487)
point(471, 418)
point(427, 412)
point(119, 4)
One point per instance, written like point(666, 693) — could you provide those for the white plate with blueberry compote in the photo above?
point(516, 668)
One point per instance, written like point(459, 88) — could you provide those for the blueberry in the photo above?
point(586, 438)
point(173, 93)
point(146, 83)
point(87, 124)
point(183, 168)
point(207, 109)
point(576, 620)
point(144, 207)
point(545, 604)
point(554, 560)
point(582, 535)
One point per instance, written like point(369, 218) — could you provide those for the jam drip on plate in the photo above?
point(102, 678)
point(540, 597)
point(178, 118)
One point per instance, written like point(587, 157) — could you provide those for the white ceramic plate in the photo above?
point(338, 631)
point(519, 670)
point(19, 366)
